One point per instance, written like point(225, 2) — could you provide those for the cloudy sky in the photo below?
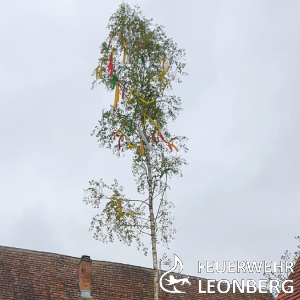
point(239, 197)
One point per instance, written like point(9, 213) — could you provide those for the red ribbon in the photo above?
point(120, 137)
point(160, 135)
point(119, 142)
point(123, 89)
point(110, 66)
point(153, 138)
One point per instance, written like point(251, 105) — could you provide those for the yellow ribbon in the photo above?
point(173, 146)
point(133, 90)
point(143, 100)
point(151, 121)
point(131, 146)
point(164, 72)
point(117, 96)
point(129, 96)
point(170, 144)
point(113, 52)
point(98, 71)
point(141, 151)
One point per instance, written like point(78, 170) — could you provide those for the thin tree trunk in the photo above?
point(152, 226)
point(154, 253)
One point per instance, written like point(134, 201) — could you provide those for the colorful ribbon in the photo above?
point(121, 134)
point(110, 65)
point(116, 96)
point(153, 137)
point(151, 121)
point(98, 71)
point(129, 96)
point(170, 144)
point(164, 72)
point(141, 151)
point(133, 90)
point(114, 81)
point(143, 100)
point(123, 89)
point(166, 170)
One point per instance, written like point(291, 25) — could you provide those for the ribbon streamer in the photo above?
point(170, 144)
point(98, 71)
point(133, 90)
point(164, 72)
point(143, 100)
point(152, 122)
point(166, 170)
point(123, 89)
point(110, 65)
point(119, 142)
point(116, 96)
point(153, 137)
point(121, 134)
point(162, 138)
point(129, 96)
point(141, 151)
point(130, 125)
point(114, 81)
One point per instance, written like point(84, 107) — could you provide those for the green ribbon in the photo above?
point(130, 125)
point(166, 171)
point(114, 81)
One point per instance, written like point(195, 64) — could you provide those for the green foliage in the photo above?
point(286, 257)
point(139, 124)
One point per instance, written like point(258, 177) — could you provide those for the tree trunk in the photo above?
point(152, 226)
point(154, 253)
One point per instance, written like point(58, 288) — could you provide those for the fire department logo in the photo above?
point(171, 279)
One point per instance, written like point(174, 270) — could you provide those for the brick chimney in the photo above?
point(85, 276)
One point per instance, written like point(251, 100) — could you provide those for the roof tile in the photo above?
point(32, 275)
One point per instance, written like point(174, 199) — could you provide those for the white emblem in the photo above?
point(172, 280)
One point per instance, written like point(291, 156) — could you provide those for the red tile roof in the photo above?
point(295, 276)
point(32, 275)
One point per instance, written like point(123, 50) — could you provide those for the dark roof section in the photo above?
point(295, 276)
point(32, 275)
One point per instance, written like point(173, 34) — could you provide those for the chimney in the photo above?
point(85, 276)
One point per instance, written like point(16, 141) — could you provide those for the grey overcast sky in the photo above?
point(239, 197)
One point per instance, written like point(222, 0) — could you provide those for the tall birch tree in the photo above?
point(140, 64)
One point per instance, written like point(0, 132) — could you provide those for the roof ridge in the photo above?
point(101, 261)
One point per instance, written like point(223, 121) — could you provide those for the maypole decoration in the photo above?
point(115, 85)
point(139, 63)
